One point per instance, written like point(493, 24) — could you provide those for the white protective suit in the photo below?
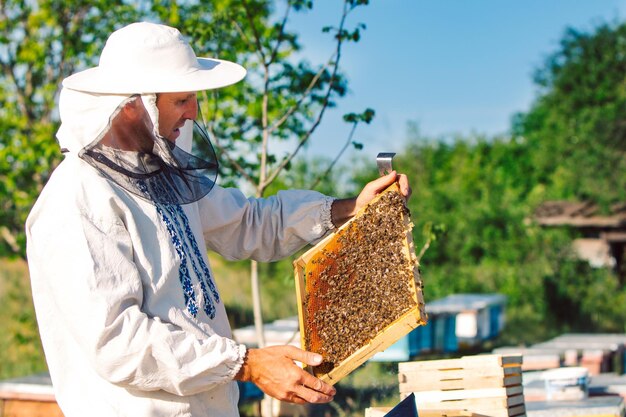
point(113, 275)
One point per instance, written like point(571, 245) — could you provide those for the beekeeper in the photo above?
point(130, 317)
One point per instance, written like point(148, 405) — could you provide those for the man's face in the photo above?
point(174, 110)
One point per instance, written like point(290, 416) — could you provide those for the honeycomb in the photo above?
point(357, 283)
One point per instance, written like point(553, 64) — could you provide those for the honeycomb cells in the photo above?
point(361, 283)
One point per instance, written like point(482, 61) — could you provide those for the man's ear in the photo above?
point(134, 110)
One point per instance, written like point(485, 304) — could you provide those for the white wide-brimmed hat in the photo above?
point(151, 58)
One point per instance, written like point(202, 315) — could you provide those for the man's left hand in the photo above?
point(343, 209)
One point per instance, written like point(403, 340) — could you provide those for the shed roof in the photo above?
point(580, 214)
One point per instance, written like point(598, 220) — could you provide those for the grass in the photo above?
point(20, 347)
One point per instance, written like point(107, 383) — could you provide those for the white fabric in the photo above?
point(146, 57)
point(149, 102)
point(107, 271)
point(84, 116)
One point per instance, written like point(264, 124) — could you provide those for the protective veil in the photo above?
point(131, 153)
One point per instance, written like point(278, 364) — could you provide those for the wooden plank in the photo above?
point(300, 294)
point(466, 394)
point(377, 411)
point(465, 362)
point(464, 381)
point(498, 413)
point(449, 413)
point(405, 376)
point(27, 396)
point(509, 412)
point(24, 408)
point(473, 403)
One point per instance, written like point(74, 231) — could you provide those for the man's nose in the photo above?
point(191, 112)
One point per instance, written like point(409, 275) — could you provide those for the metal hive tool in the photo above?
point(359, 290)
point(384, 160)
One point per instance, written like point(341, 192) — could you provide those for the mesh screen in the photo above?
point(148, 165)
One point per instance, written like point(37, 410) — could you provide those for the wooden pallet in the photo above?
point(484, 384)
point(307, 269)
point(460, 380)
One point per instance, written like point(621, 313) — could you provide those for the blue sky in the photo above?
point(452, 66)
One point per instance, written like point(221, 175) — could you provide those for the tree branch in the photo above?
point(332, 164)
point(306, 93)
point(255, 32)
point(281, 33)
point(307, 135)
point(244, 36)
point(219, 146)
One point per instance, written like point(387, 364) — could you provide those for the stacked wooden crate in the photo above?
point(483, 384)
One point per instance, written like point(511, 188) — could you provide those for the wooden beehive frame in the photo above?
point(401, 325)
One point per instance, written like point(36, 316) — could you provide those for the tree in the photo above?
point(41, 43)
point(479, 192)
point(579, 118)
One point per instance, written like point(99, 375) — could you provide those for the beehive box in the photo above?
point(484, 384)
point(359, 290)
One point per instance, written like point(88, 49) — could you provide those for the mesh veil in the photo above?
point(129, 153)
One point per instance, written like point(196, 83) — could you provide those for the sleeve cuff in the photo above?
point(241, 355)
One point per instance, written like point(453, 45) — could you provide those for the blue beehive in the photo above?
point(479, 317)
point(454, 322)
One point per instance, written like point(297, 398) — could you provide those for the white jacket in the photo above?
point(129, 317)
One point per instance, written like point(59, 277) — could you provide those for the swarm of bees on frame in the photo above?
point(362, 284)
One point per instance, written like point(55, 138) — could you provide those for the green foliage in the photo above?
point(473, 195)
point(41, 44)
point(576, 130)
point(284, 97)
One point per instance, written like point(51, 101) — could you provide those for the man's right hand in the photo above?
point(274, 371)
